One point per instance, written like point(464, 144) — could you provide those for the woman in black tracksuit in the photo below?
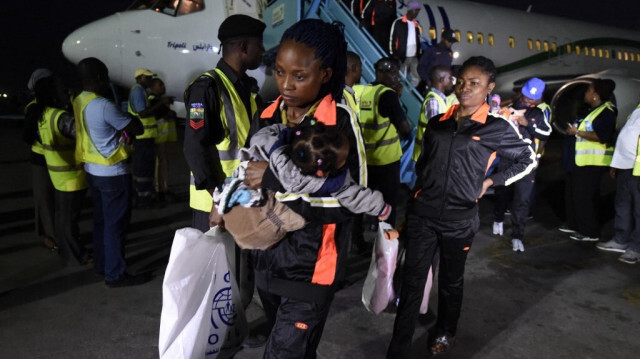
point(297, 278)
point(457, 148)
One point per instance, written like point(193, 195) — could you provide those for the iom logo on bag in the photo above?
point(223, 311)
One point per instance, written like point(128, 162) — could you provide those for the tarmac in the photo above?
point(558, 299)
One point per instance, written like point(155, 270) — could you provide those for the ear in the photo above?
point(326, 76)
point(244, 46)
point(491, 86)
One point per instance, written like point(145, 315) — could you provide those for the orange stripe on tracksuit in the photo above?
point(326, 264)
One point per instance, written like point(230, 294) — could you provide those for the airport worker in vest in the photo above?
point(144, 153)
point(166, 135)
point(435, 103)
point(625, 169)
point(43, 191)
point(529, 120)
point(103, 138)
point(352, 78)
point(593, 152)
point(220, 108)
point(56, 128)
point(405, 42)
point(383, 123)
point(440, 54)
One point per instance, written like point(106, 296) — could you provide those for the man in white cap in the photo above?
point(531, 124)
point(144, 153)
point(405, 41)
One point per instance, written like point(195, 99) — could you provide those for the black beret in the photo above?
point(240, 26)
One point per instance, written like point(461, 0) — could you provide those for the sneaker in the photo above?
point(497, 228)
point(566, 229)
point(127, 280)
point(630, 257)
point(581, 237)
point(517, 245)
point(612, 246)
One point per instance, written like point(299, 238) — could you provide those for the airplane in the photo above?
point(177, 40)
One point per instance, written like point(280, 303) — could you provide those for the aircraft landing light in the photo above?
point(456, 54)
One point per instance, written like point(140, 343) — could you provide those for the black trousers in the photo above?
point(517, 197)
point(296, 325)
point(627, 218)
point(584, 187)
point(423, 237)
point(67, 212)
point(144, 165)
point(386, 179)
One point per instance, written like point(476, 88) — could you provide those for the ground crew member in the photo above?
point(144, 154)
point(57, 133)
point(103, 135)
point(435, 103)
point(166, 134)
point(43, 191)
point(440, 54)
point(529, 120)
point(383, 121)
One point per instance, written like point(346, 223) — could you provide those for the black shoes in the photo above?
point(127, 280)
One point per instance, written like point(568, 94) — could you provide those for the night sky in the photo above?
point(33, 31)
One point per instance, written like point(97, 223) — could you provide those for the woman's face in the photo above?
point(473, 87)
point(590, 94)
point(298, 74)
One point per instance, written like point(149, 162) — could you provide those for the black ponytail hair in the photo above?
point(330, 46)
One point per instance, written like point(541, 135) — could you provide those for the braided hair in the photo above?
point(318, 150)
point(485, 64)
point(330, 46)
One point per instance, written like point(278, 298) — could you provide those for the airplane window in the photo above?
point(530, 44)
point(606, 53)
point(480, 38)
point(458, 35)
point(638, 57)
point(432, 33)
point(538, 46)
point(632, 56)
point(586, 51)
point(593, 51)
point(470, 37)
point(179, 7)
point(577, 50)
point(491, 39)
point(546, 45)
point(626, 56)
point(554, 47)
point(600, 53)
point(512, 42)
point(568, 48)
point(619, 55)
point(141, 4)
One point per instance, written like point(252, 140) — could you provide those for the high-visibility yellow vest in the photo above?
point(452, 99)
point(593, 153)
point(546, 111)
point(86, 151)
point(66, 174)
point(423, 120)
point(350, 100)
point(150, 123)
point(35, 146)
point(636, 165)
point(236, 124)
point(381, 140)
point(166, 128)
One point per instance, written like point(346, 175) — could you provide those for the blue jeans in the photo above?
point(627, 219)
point(111, 216)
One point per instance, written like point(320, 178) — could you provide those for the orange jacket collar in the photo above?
point(479, 116)
point(325, 112)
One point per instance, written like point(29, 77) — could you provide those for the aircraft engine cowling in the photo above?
point(568, 102)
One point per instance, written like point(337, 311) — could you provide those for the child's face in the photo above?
point(298, 74)
point(157, 87)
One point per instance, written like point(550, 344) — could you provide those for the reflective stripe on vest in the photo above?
point(593, 153)
point(422, 122)
point(59, 152)
point(350, 100)
point(166, 128)
point(150, 123)
point(36, 146)
point(236, 124)
point(86, 151)
point(546, 111)
point(381, 140)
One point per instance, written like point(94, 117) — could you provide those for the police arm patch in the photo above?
point(196, 115)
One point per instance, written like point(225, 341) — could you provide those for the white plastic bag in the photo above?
point(202, 314)
point(377, 291)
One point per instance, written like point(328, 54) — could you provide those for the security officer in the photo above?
point(144, 154)
point(382, 120)
point(220, 108)
point(440, 54)
point(435, 103)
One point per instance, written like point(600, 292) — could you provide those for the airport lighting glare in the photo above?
point(456, 55)
point(185, 51)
